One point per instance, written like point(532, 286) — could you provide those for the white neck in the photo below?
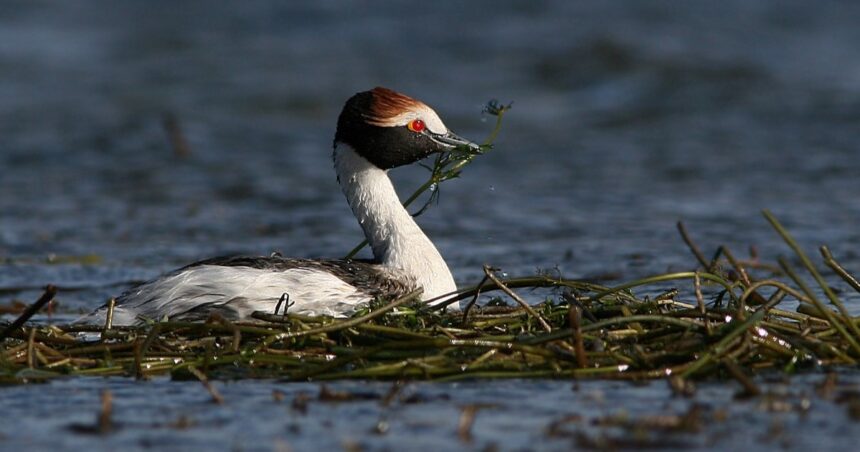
point(395, 238)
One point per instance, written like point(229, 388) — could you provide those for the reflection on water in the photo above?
point(627, 117)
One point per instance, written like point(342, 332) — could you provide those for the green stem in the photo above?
point(667, 277)
point(440, 174)
point(337, 326)
point(828, 314)
point(846, 317)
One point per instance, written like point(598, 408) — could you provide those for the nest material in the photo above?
point(722, 322)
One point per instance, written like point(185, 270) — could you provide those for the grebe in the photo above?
point(377, 130)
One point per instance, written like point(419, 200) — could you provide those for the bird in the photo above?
point(377, 130)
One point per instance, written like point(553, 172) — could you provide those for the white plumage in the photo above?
point(395, 238)
point(377, 130)
point(236, 292)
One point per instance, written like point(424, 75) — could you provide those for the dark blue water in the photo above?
point(627, 118)
point(510, 415)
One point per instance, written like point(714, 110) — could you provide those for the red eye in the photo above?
point(416, 125)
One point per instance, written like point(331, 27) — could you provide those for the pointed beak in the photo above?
point(452, 140)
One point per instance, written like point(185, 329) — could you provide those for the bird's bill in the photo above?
point(452, 140)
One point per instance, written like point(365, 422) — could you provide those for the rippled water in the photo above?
point(627, 117)
point(509, 415)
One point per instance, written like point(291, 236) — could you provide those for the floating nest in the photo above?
point(722, 320)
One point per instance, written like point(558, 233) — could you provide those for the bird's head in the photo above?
point(390, 129)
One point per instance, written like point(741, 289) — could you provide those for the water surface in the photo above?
point(627, 118)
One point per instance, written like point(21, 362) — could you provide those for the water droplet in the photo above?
point(433, 187)
point(381, 427)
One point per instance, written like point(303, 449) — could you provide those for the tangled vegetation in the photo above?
point(724, 320)
point(731, 325)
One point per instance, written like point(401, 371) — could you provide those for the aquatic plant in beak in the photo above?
point(448, 164)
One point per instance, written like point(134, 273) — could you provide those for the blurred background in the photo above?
point(627, 117)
